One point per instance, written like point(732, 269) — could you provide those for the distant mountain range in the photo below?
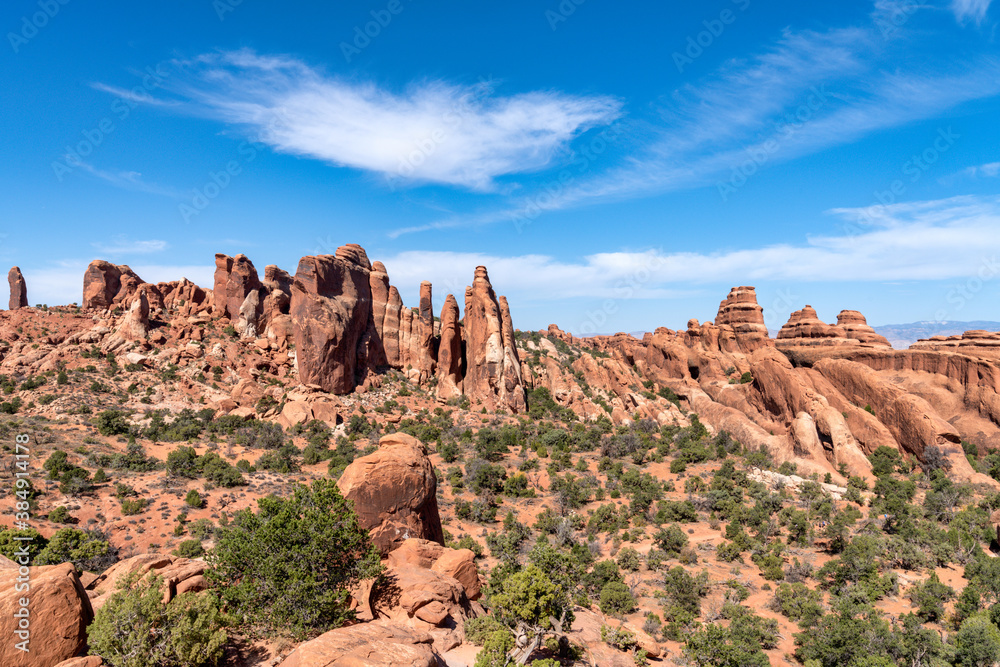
point(901, 336)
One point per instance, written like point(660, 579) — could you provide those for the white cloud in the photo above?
point(126, 180)
point(433, 131)
point(988, 170)
point(809, 92)
point(932, 240)
point(965, 10)
point(123, 246)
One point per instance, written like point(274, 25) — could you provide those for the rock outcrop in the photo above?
point(449, 361)
point(18, 289)
point(180, 575)
point(856, 327)
point(745, 317)
point(493, 372)
point(60, 612)
point(331, 313)
point(805, 328)
point(394, 491)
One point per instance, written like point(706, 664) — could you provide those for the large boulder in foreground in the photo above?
point(376, 644)
point(59, 613)
point(394, 492)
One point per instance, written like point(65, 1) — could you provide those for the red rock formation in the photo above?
point(392, 327)
point(376, 644)
point(426, 342)
point(331, 312)
point(394, 491)
point(805, 328)
point(449, 361)
point(242, 280)
point(492, 367)
point(101, 283)
point(18, 290)
point(184, 297)
point(60, 613)
point(223, 267)
point(856, 327)
point(741, 312)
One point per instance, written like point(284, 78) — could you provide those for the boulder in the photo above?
point(376, 644)
point(459, 564)
point(179, 575)
point(394, 491)
point(59, 613)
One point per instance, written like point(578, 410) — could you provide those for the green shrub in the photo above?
point(261, 567)
point(60, 515)
point(193, 499)
point(189, 549)
point(616, 599)
point(134, 628)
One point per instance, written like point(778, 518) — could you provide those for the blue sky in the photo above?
point(616, 166)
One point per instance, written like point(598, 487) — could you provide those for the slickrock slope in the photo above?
point(824, 399)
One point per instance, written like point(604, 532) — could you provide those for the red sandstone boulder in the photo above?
point(18, 289)
point(394, 492)
point(60, 612)
point(180, 575)
point(375, 644)
point(459, 564)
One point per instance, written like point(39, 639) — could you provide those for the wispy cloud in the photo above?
point(433, 131)
point(124, 246)
point(138, 95)
point(809, 92)
point(128, 180)
point(930, 240)
point(966, 10)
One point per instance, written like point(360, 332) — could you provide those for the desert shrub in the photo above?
point(87, 550)
point(193, 499)
point(113, 422)
point(189, 549)
point(671, 539)
point(288, 566)
point(799, 603)
point(135, 628)
point(616, 598)
point(60, 515)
